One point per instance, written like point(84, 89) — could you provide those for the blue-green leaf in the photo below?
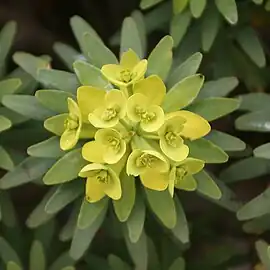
point(262, 151)
point(228, 9)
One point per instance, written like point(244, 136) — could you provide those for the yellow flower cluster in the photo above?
point(132, 132)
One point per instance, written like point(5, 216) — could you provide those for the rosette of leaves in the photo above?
point(214, 27)
point(118, 124)
point(21, 248)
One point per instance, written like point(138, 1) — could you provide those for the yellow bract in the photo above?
point(101, 181)
point(130, 70)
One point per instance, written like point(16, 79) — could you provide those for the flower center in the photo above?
point(109, 114)
point(126, 75)
point(145, 160)
point(114, 143)
point(103, 177)
point(173, 139)
point(71, 123)
point(180, 174)
point(145, 116)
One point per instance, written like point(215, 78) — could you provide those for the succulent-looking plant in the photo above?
point(116, 122)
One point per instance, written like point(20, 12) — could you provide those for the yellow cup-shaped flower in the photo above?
point(139, 161)
point(72, 126)
point(109, 113)
point(130, 70)
point(180, 175)
point(171, 142)
point(140, 110)
point(101, 181)
point(114, 146)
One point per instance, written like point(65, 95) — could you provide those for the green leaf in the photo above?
point(67, 231)
point(257, 225)
point(5, 123)
point(210, 28)
point(9, 218)
point(183, 93)
point(197, 7)
point(124, 206)
point(130, 37)
point(7, 253)
point(149, 3)
point(37, 257)
point(248, 168)
point(29, 170)
point(250, 43)
point(13, 266)
point(90, 212)
point(117, 264)
point(66, 53)
point(138, 251)
point(258, 2)
point(257, 207)
point(228, 9)
point(63, 262)
point(267, 5)
point(135, 222)
point(188, 68)
point(179, 5)
point(218, 88)
point(178, 264)
point(64, 195)
point(262, 151)
point(45, 234)
point(254, 101)
point(12, 116)
point(7, 36)
point(58, 79)
point(181, 229)
point(49, 148)
point(263, 251)
point(90, 75)
point(225, 141)
point(160, 59)
point(255, 121)
point(141, 26)
point(9, 86)
point(6, 161)
point(214, 108)
point(83, 237)
point(39, 216)
point(207, 151)
point(96, 52)
point(54, 100)
point(31, 64)
point(27, 106)
point(66, 168)
point(166, 211)
point(207, 186)
point(79, 28)
point(179, 26)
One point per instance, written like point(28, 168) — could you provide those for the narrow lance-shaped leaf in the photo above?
point(160, 59)
point(27, 106)
point(37, 256)
point(64, 195)
point(130, 37)
point(89, 212)
point(207, 186)
point(135, 222)
point(178, 264)
point(179, 5)
point(263, 251)
point(29, 170)
point(254, 101)
point(90, 75)
point(262, 151)
point(214, 108)
point(197, 7)
point(63, 262)
point(7, 253)
point(166, 211)
point(149, 3)
point(97, 53)
point(228, 9)
point(6, 161)
point(207, 151)
point(179, 26)
point(117, 264)
point(188, 68)
point(5, 123)
point(58, 79)
point(9, 86)
point(66, 168)
point(183, 93)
